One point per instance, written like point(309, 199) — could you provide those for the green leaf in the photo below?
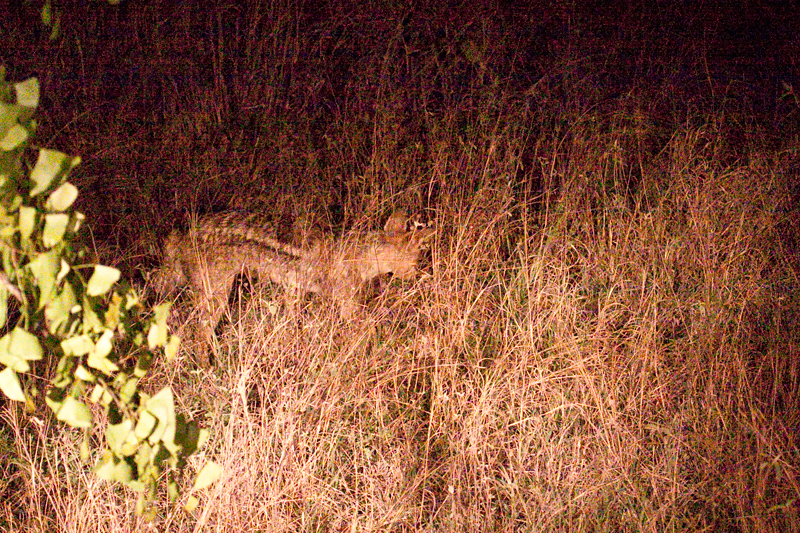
point(14, 137)
point(161, 313)
point(125, 474)
point(141, 505)
point(106, 466)
point(113, 313)
point(9, 117)
point(7, 358)
point(144, 459)
point(65, 268)
point(132, 300)
point(18, 347)
point(98, 392)
point(91, 321)
point(54, 227)
point(3, 306)
point(103, 346)
point(77, 220)
point(63, 376)
point(162, 407)
point(53, 403)
point(173, 491)
point(98, 357)
point(47, 13)
point(128, 390)
point(9, 384)
point(58, 311)
point(102, 279)
point(202, 437)
point(144, 427)
point(12, 133)
point(8, 227)
point(171, 348)
point(121, 438)
point(44, 269)
point(27, 221)
point(25, 345)
point(77, 346)
point(61, 198)
point(75, 413)
point(191, 504)
point(83, 374)
point(47, 168)
point(210, 472)
point(28, 92)
point(55, 30)
point(157, 335)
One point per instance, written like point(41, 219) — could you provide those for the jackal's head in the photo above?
point(398, 248)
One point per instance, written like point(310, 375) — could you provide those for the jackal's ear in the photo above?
point(396, 223)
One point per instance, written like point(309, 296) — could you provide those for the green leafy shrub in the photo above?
point(52, 305)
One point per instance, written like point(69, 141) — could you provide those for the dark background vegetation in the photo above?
point(190, 106)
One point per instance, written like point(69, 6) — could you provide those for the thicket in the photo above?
point(74, 340)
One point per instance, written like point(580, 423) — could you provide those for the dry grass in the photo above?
point(607, 337)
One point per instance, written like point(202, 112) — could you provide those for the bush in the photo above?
point(53, 306)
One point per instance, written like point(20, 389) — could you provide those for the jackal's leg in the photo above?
point(212, 301)
point(347, 294)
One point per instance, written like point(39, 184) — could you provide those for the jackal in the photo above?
point(219, 247)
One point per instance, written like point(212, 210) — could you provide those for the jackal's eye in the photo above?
point(418, 222)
